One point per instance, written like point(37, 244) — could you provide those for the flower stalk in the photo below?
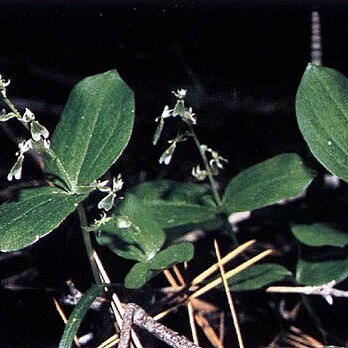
point(211, 166)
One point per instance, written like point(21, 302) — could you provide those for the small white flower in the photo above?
point(28, 116)
point(16, 170)
point(102, 221)
point(198, 173)
point(217, 161)
point(107, 202)
point(4, 83)
point(189, 116)
point(24, 146)
point(117, 183)
point(168, 154)
point(166, 112)
point(38, 131)
point(180, 93)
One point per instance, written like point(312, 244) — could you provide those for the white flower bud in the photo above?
point(168, 154)
point(180, 93)
point(117, 183)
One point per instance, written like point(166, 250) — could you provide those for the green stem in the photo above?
point(12, 107)
point(88, 243)
point(15, 111)
point(212, 181)
point(232, 234)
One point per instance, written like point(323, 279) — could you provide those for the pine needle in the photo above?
point(110, 342)
point(116, 304)
point(231, 273)
point(190, 309)
point(224, 260)
point(208, 330)
point(171, 280)
point(229, 296)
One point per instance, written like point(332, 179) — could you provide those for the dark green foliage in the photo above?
point(94, 129)
point(322, 114)
point(99, 109)
point(78, 314)
point(258, 276)
point(37, 212)
point(281, 177)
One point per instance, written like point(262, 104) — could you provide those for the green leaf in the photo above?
point(258, 276)
point(78, 314)
point(37, 212)
point(133, 233)
point(176, 253)
point(320, 234)
point(95, 128)
point(137, 276)
point(175, 204)
point(281, 177)
point(321, 272)
point(322, 115)
point(141, 272)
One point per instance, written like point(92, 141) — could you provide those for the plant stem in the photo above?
point(212, 181)
point(12, 107)
point(232, 234)
point(15, 111)
point(88, 243)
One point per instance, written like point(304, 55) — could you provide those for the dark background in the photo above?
point(241, 62)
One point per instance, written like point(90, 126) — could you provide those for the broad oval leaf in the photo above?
point(133, 233)
point(258, 276)
point(322, 115)
point(37, 212)
point(176, 204)
point(138, 276)
point(94, 129)
point(176, 253)
point(320, 234)
point(281, 177)
point(78, 314)
point(321, 272)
